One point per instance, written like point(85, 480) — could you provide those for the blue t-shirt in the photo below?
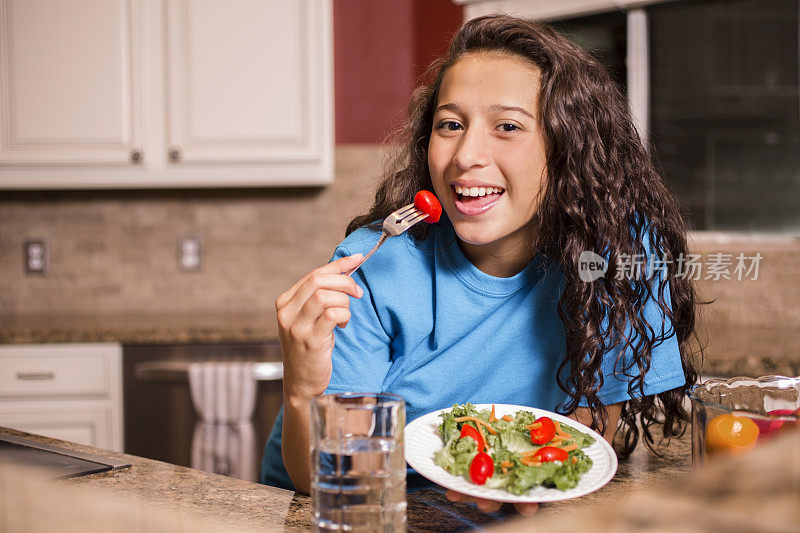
point(436, 330)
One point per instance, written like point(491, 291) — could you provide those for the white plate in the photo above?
point(422, 439)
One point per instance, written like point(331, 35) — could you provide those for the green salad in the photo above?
point(511, 452)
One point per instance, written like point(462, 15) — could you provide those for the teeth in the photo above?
point(476, 191)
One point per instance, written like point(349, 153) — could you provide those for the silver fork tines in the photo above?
point(393, 225)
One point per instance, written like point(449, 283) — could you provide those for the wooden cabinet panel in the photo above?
point(53, 371)
point(66, 391)
point(72, 82)
point(90, 424)
point(165, 93)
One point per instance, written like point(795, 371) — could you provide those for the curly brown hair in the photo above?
point(602, 193)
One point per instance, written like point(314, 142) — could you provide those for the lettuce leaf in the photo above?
point(449, 426)
point(456, 455)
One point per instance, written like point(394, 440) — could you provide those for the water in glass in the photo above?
point(359, 484)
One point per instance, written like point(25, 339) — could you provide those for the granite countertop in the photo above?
point(729, 350)
point(244, 505)
point(757, 491)
point(754, 491)
point(140, 329)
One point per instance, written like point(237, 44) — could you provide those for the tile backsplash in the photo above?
point(116, 252)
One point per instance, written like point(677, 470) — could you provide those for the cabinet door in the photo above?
point(248, 82)
point(71, 83)
point(66, 391)
point(82, 423)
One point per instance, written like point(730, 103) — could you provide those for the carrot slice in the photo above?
point(570, 447)
point(477, 420)
point(508, 418)
point(492, 418)
point(535, 425)
point(530, 462)
point(574, 460)
point(558, 426)
point(505, 465)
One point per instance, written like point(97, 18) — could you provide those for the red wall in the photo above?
point(380, 47)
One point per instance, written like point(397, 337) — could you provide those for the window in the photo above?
point(724, 120)
point(605, 37)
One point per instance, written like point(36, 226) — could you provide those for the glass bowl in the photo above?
point(733, 415)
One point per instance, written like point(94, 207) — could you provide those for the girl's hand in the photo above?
point(490, 506)
point(307, 315)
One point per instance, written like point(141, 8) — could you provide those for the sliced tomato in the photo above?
point(545, 432)
point(551, 453)
point(481, 468)
point(427, 202)
point(469, 431)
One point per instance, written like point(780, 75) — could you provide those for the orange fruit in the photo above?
point(731, 433)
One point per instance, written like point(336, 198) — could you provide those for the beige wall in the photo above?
point(116, 252)
point(771, 300)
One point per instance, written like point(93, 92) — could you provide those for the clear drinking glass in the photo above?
point(358, 470)
point(733, 415)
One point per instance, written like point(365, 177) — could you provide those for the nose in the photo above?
point(472, 150)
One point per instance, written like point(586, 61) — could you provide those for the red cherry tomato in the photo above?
point(545, 432)
point(469, 431)
point(426, 202)
point(551, 453)
point(481, 468)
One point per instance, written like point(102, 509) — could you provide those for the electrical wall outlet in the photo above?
point(36, 257)
point(190, 253)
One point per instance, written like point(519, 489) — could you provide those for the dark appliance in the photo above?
point(159, 416)
point(53, 462)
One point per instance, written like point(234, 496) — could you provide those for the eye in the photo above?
point(449, 125)
point(508, 127)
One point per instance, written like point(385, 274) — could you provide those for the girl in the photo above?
point(530, 148)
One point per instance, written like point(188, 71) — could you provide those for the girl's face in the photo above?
point(486, 157)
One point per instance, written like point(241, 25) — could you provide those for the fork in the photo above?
point(393, 225)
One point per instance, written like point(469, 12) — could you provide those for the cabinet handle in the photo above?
point(136, 156)
point(175, 155)
point(36, 375)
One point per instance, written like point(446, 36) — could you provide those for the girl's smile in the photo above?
point(475, 199)
point(486, 157)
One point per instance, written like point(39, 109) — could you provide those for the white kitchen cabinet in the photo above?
point(66, 391)
point(548, 9)
point(72, 82)
point(165, 93)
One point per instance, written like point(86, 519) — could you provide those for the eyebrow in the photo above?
point(493, 108)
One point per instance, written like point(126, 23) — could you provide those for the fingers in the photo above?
point(338, 266)
point(490, 506)
point(313, 293)
point(329, 318)
point(487, 506)
point(526, 509)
